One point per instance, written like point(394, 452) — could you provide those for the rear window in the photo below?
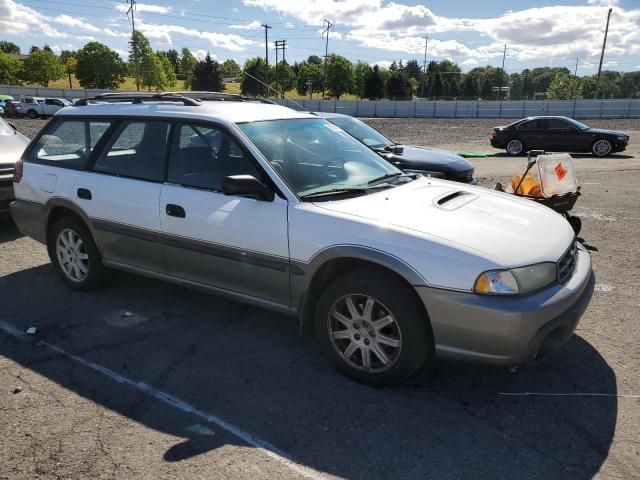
point(68, 143)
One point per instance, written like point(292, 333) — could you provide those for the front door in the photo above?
point(561, 136)
point(229, 242)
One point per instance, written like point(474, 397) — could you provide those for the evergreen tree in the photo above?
point(139, 52)
point(399, 87)
point(486, 89)
point(470, 87)
point(374, 84)
point(207, 76)
point(255, 76)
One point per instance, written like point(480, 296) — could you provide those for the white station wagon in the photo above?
point(284, 210)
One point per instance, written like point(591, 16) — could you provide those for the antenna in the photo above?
point(279, 93)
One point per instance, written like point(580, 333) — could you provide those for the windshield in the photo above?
point(5, 129)
point(577, 124)
point(312, 155)
point(360, 130)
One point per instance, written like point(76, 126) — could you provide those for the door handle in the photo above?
point(175, 211)
point(84, 194)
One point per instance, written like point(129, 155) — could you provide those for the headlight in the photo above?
point(516, 280)
point(426, 173)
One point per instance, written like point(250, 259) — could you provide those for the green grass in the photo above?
point(129, 85)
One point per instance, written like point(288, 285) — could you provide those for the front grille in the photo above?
point(567, 263)
point(6, 170)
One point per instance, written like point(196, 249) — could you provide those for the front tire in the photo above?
point(74, 255)
point(514, 147)
point(601, 147)
point(373, 328)
point(32, 114)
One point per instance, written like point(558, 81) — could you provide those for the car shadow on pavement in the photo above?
point(8, 230)
point(251, 368)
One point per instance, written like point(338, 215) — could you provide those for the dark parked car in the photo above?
point(559, 134)
point(410, 158)
point(12, 108)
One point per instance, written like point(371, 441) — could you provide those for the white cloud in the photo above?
point(471, 62)
point(145, 7)
point(382, 63)
point(162, 34)
point(604, 3)
point(255, 25)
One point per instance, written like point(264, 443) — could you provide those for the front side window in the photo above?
point(314, 156)
point(530, 125)
point(69, 141)
point(557, 124)
point(363, 132)
point(137, 150)
point(201, 157)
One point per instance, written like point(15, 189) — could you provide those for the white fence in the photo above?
point(416, 108)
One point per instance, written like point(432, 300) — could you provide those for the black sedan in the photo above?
point(557, 134)
point(410, 158)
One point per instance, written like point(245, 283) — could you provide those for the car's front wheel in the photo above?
point(32, 114)
point(373, 328)
point(601, 148)
point(514, 147)
point(74, 255)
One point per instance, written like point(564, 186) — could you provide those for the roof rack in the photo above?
point(219, 96)
point(139, 98)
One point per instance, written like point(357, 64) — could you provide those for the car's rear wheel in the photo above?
point(373, 328)
point(32, 114)
point(74, 255)
point(514, 147)
point(601, 147)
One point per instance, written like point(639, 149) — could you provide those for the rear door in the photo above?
point(121, 194)
point(229, 242)
point(530, 134)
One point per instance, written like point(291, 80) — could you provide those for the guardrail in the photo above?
point(414, 108)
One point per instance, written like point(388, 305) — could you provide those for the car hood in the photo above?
point(499, 227)
point(426, 158)
point(11, 147)
point(607, 132)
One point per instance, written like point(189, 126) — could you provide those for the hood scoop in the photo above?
point(453, 200)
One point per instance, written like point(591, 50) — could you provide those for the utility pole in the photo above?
point(280, 45)
point(266, 53)
point(424, 65)
point(575, 72)
point(524, 84)
point(604, 44)
point(504, 54)
point(310, 88)
point(328, 27)
point(132, 9)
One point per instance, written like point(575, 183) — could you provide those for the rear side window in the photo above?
point(68, 143)
point(530, 125)
point(137, 150)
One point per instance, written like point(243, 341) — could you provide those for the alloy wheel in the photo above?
point(72, 255)
point(514, 147)
point(365, 333)
point(602, 148)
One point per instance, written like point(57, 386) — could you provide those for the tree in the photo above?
point(283, 78)
point(309, 75)
point(399, 87)
point(99, 67)
point(230, 68)
point(10, 69)
point(486, 89)
point(412, 68)
point(41, 67)
point(314, 59)
point(187, 63)
point(374, 84)
point(393, 67)
point(169, 71)
point(565, 87)
point(139, 52)
point(174, 58)
point(436, 87)
point(207, 75)
point(338, 75)
point(630, 85)
point(254, 78)
point(152, 72)
point(70, 64)
point(361, 71)
point(515, 87)
point(470, 86)
point(9, 47)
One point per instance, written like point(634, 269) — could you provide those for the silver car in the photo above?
point(12, 144)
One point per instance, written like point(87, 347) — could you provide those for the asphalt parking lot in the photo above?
point(142, 379)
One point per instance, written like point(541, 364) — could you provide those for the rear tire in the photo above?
point(373, 328)
point(514, 147)
point(32, 114)
point(74, 255)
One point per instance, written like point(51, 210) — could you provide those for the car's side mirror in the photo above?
point(12, 125)
point(247, 186)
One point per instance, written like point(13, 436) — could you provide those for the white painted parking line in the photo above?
point(603, 288)
point(256, 442)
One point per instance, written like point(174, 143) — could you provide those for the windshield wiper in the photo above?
point(388, 176)
point(334, 191)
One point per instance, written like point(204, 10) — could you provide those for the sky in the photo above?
point(469, 32)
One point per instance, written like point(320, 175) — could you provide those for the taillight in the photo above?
point(493, 134)
point(17, 171)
